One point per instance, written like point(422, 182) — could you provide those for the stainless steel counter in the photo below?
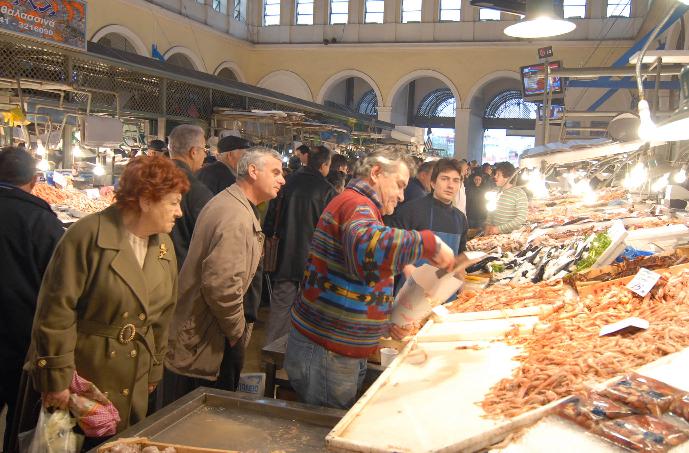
point(209, 418)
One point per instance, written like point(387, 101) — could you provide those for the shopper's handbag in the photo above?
point(270, 249)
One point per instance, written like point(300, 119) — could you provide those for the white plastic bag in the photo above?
point(54, 434)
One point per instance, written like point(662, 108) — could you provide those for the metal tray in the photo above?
point(210, 418)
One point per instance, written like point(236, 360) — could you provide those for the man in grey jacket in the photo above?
point(208, 330)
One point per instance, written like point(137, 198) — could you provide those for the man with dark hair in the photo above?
point(298, 208)
point(419, 185)
point(435, 211)
point(157, 148)
point(302, 152)
point(512, 204)
point(223, 173)
point(30, 231)
point(487, 175)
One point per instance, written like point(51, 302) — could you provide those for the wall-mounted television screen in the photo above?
point(533, 81)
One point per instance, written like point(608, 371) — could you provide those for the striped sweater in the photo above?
point(347, 290)
point(511, 210)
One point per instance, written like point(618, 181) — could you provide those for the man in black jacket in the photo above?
point(187, 150)
point(223, 173)
point(300, 205)
point(29, 232)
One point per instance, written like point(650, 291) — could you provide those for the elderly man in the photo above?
point(30, 231)
point(223, 173)
point(187, 150)
point(209, 330)
point(348, 283)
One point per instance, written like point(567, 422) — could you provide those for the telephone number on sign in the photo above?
point(36, 29)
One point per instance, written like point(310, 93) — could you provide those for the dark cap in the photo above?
point(157, 145)
point(231, 143)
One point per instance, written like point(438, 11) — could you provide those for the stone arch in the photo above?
point(123, 31)
point(488, 78)
point(287, 82)
point(196, 61)
point(234, 67)
point(418, 74)
point(342, 75)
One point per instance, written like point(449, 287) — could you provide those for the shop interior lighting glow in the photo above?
point(661, 183)
point(537, 185)
point(43, 165)
point(491, 201)
point(681, 176)
point(40, 149)
point(76, 151)
point(636, 177)
point(99, 169)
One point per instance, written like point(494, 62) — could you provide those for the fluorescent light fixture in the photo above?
point(542, 21)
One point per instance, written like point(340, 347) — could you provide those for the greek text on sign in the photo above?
point(643, 281)
point(61, 22)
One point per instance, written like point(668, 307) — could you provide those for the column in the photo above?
point(392, 11)
point(287, 11)
point(462, 133)
point(385, 114)
point(596, 9)
point(321, 10)
point(356, 12)
point(429, 10)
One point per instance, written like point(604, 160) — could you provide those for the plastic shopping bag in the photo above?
point(53, 434)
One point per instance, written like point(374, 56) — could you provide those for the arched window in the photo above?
point(368, 104)
point(181, 60)
point(509, 104)
point(438, 103)
point(227, 74)
point(117, 42)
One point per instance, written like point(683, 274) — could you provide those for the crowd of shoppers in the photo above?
point(103, 300)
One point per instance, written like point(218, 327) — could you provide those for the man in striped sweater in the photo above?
point(512, 205)
point(347, 291)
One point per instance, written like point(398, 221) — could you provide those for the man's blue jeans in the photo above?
point(321, 377)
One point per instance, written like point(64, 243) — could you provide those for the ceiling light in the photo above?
point(542, 21)
point(681, 175)
point(40, 149)
point(43, 165)
point(661, 183)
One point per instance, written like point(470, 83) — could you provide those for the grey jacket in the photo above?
point(224, 253)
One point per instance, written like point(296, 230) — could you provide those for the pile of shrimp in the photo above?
point(501, 297)
point(566, 354)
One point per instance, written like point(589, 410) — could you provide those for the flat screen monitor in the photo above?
point(533, 77)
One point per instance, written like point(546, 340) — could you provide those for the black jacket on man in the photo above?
point(217, 176)
point(192, 203)
point(302, 202)
point(29, 232)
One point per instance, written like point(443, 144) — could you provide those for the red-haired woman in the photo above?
point(109, 292)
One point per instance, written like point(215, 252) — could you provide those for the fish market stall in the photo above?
point(220, 420)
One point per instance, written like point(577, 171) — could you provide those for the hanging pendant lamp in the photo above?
point(544, 18)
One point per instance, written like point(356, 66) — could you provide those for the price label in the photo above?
point(629, 325)
point(643, 282)
point(93, 194)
